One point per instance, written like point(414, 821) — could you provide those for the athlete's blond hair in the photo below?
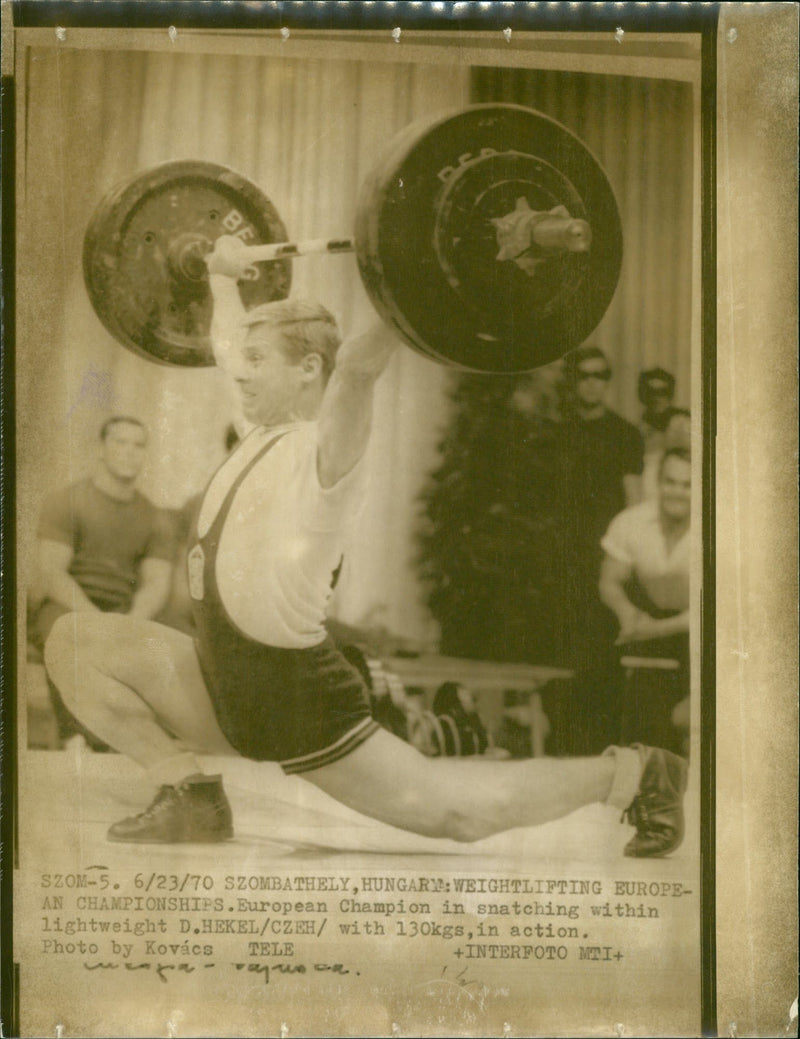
point(306, 327)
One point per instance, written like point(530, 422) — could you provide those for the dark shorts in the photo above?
point(302, 708)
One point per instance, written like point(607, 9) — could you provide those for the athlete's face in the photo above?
point(675, 488)
point(269, 382)
point(123, 450)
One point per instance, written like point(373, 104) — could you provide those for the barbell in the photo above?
point(489, 239)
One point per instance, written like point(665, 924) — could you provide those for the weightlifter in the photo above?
point(262, 679)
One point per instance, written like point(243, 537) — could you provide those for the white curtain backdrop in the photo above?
point(306, 132)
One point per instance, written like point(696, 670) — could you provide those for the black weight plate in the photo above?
point(427, 247)
point(142, 256)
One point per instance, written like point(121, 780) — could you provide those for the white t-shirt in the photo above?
point(635, 537)
point(283, 538)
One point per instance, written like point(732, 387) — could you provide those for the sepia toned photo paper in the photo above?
point(399, 618)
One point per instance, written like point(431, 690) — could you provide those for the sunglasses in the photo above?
point(605, 375)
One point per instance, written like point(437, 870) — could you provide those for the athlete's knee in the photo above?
point(441, 809)
point(60, 651)
point(85, 647)
point(441, 814)
point(459, 824)
point(77, 647)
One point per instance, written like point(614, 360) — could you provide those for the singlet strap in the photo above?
point(227, 501)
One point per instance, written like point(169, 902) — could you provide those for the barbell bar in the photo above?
point(554, 230)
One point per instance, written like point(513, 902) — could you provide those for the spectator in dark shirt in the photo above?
point(656, 394)
point(601, 453)
point(599, 466)
point(102, 544)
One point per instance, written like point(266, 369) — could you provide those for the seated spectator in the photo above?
point(649, 544)
point(645, 575)
point(103, 546)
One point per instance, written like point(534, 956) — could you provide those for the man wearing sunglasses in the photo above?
point(602, 453)
point(600, 461)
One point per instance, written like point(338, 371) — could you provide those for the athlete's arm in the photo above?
point(225, 265)
point(57, 582)
point(155, 577)
point(345, 417)
point(227, 331)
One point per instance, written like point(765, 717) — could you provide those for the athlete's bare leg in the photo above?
point(465, 799)
point(137, 685)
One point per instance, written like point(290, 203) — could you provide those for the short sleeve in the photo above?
point(616, 541)
point(161, 543)
point(332, 507)
point(57, 518)
point(347, 495)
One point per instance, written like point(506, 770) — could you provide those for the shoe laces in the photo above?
point(161, 803)
point(636, 813)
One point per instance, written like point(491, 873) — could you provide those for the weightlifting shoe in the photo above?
point(195, 810)
point(657, 809)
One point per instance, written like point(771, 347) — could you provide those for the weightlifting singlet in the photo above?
point(301, 707)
